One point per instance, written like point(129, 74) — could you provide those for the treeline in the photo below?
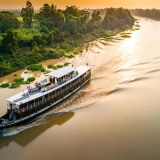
point(51, 32)
point(149, 13)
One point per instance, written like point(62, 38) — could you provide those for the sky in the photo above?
point(130, 4)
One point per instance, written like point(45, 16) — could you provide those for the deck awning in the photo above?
point(61, 72)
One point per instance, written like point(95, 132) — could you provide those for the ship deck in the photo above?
point(24, 97)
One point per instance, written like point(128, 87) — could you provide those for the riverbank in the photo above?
point(57, 37)
point(69, 48)
point(9, 80)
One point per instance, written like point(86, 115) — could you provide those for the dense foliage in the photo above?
point(149, 13)
point(117, 18)
point(27, 14)
point(54, 33)
point(8, 21)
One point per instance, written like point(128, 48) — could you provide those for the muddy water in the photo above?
point(115, 116)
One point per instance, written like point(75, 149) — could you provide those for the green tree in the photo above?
point(150, 13)
point(117, 19)
point(72, 10)
point(9, 42)
point(27, 14)
point(90, 26)
point(8, 21)
point(35, 50)
point(50, 17)
point(58, 36)
point(5, 68)
point(71, 24)
point(96, 15)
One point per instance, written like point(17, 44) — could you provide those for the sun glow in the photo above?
point(7, 4)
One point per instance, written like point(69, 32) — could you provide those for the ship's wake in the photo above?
point(109, 77)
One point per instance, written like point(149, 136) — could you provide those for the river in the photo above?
point(116, 116)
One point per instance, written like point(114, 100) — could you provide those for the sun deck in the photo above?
point(24, 96)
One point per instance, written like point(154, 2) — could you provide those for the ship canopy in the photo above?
point(61, 72)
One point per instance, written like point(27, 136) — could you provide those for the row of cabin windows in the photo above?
point(65, 78)
point(41, 100)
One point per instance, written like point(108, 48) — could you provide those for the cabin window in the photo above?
point(53, 80)
point(9, 105)
point(58, 92)
point(23, 107)
point(30, 104)
point(50, 94)
point(38, 101)
point(58, 80)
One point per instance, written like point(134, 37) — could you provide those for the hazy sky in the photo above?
point(12, 4)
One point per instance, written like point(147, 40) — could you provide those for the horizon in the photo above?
point(7, 9)
point(97, 4)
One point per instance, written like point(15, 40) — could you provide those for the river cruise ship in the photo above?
point(33, 101)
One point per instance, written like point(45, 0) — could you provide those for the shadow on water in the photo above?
point(116, 90)
point(135, 80)
point(124, 70)
point(27, 136)
point(142, 63)
point(153, 71)
point(127, 82)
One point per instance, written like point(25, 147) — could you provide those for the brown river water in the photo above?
point(116, 116)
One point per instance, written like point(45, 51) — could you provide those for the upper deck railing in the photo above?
point(42, 88)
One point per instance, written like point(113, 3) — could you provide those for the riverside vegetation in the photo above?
point(149, 13)
point(17, 82)
point(52, 33)
point(34, 67)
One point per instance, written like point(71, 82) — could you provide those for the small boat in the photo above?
point(58, 85)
